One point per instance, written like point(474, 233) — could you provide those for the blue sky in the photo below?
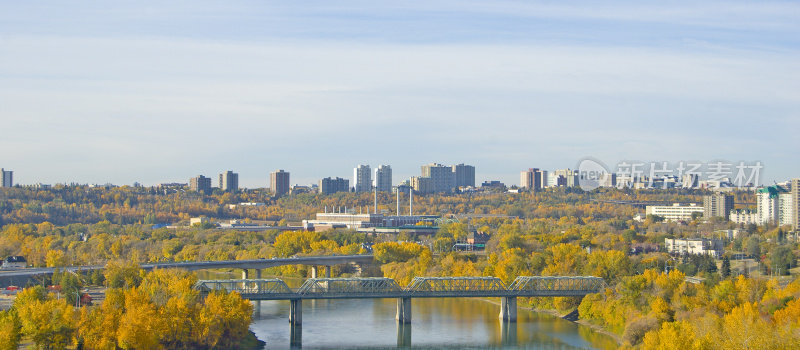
point(154, 91)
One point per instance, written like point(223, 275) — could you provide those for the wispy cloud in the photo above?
point(175, 90)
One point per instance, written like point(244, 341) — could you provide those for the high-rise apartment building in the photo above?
point(464, 175)
point(796, 204)
point(533, 179)
point(774, 205)
point(362, 178)
point(441, 175)
point(279, 183)
point(7, 177)
point(383, 178)
point(717, 205)
point(200, 184)
point(330, 185)
point(229, 181)
point(422, 184)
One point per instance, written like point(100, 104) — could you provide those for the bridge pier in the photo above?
point(313, 272)
point(508, 333)
point(403, 335)
point(296, 312)
point(296, 337)
point(327, 271)
point(508, 309)
point(257, 303)
point(403, 310)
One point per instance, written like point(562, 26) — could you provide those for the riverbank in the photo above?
point(555, 313)
point(251, 342)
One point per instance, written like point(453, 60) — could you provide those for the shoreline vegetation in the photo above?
point(563, 316)
point(702, 302)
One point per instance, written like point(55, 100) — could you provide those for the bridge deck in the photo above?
point(420, 287)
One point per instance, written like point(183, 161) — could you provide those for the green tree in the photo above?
point(782, 259)
point(726, 267)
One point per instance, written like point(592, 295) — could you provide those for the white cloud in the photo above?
point(174, 106)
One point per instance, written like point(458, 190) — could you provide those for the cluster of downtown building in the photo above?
point(435, 178)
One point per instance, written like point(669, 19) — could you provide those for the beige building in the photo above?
point(533, 179)
point(229, 181)
point(200, 184)
point(570, 178)
point(422, 184)
point(674, 212)
point(743, 217)
point(717, 205)
point(694, 246)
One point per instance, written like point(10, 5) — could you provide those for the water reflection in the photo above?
point(435, 323)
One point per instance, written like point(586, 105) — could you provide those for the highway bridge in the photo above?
point(20, 277)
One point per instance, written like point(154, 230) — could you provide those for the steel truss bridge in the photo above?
point(420, 287)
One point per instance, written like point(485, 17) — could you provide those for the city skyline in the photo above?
point(134, 92)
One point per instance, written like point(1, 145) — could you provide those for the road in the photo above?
point(20, 277)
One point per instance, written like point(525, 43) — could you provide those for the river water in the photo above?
point(454, 323)
point(436, 323)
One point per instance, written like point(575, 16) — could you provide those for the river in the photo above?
point(453, 323)
point(436, 323)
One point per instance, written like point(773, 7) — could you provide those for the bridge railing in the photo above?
point(455, 284)
point(557, 284)
point(271, 286)
point(353, 286)
point(374, 287)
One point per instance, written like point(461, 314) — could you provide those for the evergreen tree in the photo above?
point(726, 267)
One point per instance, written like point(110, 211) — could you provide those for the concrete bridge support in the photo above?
point(508, 333)
point(296, 312)
point(403, 335)
point(296, 337)
point(508, 309)
point(315, 272)
point(256, 303)
point(404, 310)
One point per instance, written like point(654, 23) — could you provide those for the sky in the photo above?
point(161, 91)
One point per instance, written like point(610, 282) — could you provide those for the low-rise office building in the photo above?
point(695, 246)
point(674, 212)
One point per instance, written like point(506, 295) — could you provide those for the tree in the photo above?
point(122, 274)
point(395, 252)
point(223, 320)
point(753, 247)
point(48, 322)
point(672, 335)
point(726, 267)
point(10, 330)
point(140, 326)
point(781, 259)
